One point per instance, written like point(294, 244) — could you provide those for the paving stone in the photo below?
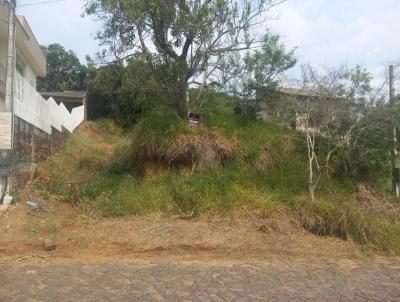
point(122, 281)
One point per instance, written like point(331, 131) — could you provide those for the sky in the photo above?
point(325, 32)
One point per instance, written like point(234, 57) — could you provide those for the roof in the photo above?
point(27, 46)
point(297, 92)
point(64, 94)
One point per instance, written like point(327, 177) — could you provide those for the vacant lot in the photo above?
point(78, 236)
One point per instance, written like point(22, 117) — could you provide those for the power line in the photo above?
point(40, 3)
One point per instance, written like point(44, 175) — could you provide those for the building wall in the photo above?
point(3, 51)
point(31, 146)
point(3, 57)
point(29, 74)
point(29, 47)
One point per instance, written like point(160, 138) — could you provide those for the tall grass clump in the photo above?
point(163, 138)
point(213, 191)
point(347, 220)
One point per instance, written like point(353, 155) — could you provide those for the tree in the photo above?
point(64, 71)
point(258, 69)
point(329, 114)
point(102, 91)
point(367, 156)
point(182, 37)
point(123, 92)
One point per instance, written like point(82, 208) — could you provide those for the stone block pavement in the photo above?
point(339, 280)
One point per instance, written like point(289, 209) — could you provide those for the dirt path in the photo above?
point(290, 280)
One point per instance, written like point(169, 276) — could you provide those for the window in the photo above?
point(2, 73)
point(21, 67)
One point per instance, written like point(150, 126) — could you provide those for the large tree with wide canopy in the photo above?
point(180, 38)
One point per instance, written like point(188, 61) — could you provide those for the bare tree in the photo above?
point(328, 113)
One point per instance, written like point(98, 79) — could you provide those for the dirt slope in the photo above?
point(23, 230)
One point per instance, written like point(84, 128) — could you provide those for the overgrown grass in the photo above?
point(87, 153)
point(214, 191)
point(344, 219)
point(267, 172)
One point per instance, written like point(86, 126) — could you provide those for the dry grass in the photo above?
point(86, 152)
point(194, 149)
point(366, 219)
point(371, 202)
point(79, 236)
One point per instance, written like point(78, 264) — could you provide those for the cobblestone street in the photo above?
point(341, 280)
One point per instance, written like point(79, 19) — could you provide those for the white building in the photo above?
point(21, 102)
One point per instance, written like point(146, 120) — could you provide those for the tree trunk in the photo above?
point(311, 186)
point(181, 101)
point(311, 189)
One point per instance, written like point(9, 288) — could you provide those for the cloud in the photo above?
point(326, 32)
point(342, 31)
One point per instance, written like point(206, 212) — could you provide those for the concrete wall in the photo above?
point(3, 52)
point(3, 56)
point(30, 106)
point(31, 146)
point(30, 74)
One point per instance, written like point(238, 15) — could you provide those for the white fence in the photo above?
point(30, 106)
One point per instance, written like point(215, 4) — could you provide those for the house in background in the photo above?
point(275, 106)
point(31, 127)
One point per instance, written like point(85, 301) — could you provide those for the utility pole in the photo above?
point(9, 98)
point(395, 169)
point(10, 57)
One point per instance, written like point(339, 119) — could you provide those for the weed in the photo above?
point(35, 230)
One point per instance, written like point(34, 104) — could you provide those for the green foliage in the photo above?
point(157, 126)
point(102, 91)
point(242, 183)
point(179, 39)
point(368, 156)
point(257, 69)
point(214, 191)
point(64, 71)
point(330, 114)
point(124, 92)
